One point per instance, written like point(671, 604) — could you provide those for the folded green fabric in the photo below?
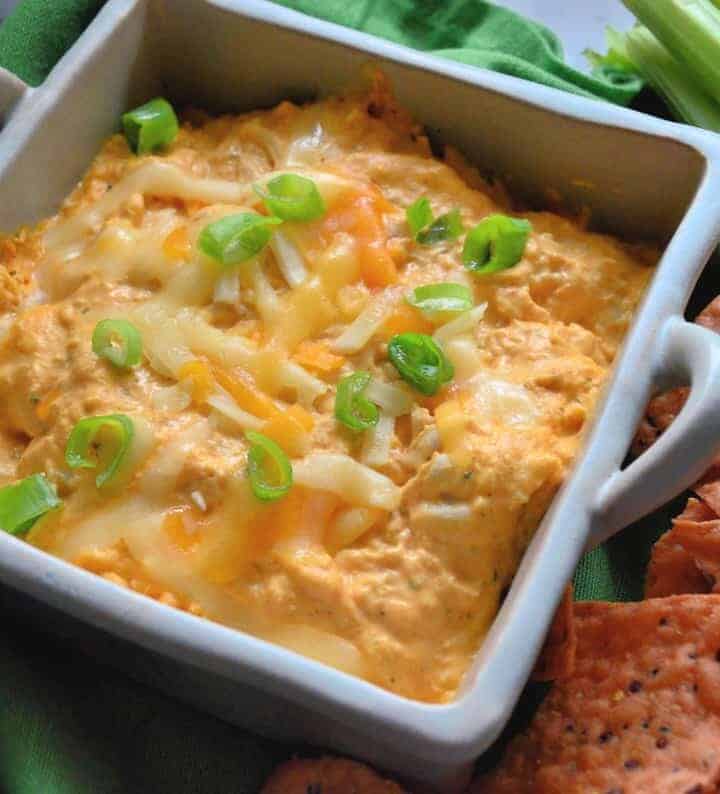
point(38, 32)
point(473, 32)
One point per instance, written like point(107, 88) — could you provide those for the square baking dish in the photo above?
point(640, 177)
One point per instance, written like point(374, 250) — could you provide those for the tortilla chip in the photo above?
point(659, 414)
point(661, 410)
point(686, 559)
point(327, 776)
point(645, 436)
point(557, 658)
point(672, 570)
point(695, 510)
point(708, 488)
point(709, 317)
point(641, 713)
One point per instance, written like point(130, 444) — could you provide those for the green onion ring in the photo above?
point(292, 197)
point(82, 448)
point(496, 243)
point(352, 407)
point(269, 468)
point(119, 342)
point(420, 361)
point(150, 126)
point(445, 297)
point(24, 502)
point(235, 238)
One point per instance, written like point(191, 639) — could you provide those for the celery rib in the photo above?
point(671, 80)
point(690, 30)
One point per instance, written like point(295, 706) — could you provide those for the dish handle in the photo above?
point(12, 90)
point(689, 353)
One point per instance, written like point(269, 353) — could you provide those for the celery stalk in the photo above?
point(671, 80)
point(690, 30)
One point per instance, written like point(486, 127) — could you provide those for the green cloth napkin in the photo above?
point(475, 33)
point(69, 725)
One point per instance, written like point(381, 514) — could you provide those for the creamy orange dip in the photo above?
point(388, 556)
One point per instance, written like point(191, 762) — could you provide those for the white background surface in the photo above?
point(578, 23)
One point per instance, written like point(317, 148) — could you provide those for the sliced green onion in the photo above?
point(352, 407)
point(446, 227)
point(150, 126)
point(446, 297)
point(427, 231)
point(292, 197)
point(420, 361)
point(119, 342)
point(418, 216)
point(236, 238)
point(96, 439)
point(269, 469)
point(496, 243)
point(24, 502)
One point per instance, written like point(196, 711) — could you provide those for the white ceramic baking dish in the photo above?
point(642, 178)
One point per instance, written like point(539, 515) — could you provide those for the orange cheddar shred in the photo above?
point(177, 526)
point(291, 430)
point(176, 245)
point(200, 377)
point(360, 215)
point(317, 356)
point(406, 319)
point(242, 388)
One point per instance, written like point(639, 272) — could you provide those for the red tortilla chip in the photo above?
point(686, 559)
point(709, 317)
point(659, 414)
point(695, 510)
point(672, 570)
point(645, 436)
point(557, 658)
point(708, 488)
point(327, 776)
point(641, 713)
point(661, 410)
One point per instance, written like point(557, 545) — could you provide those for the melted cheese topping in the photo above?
point(389, 555)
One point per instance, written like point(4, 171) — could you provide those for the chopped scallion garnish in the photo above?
point(119, 342)
point(24, 502)
point(426, 230)
point(420, 361)
point(447, 227)
point(292, 197)
point(150, 126)
point(419, 215)
point(235, 238)
point(352, 407)
point(496, 243)
point(269, 468)
point(98, 440)
point(446, 297)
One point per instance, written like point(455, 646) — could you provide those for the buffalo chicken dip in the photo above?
point(290, 372)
